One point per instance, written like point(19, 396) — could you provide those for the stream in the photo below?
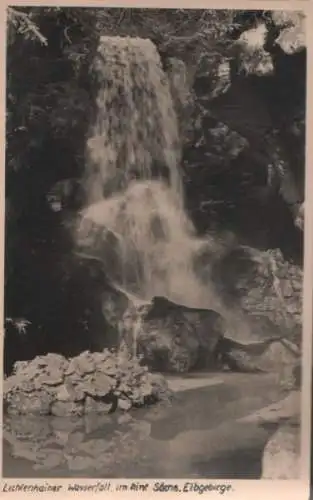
point(199, 434)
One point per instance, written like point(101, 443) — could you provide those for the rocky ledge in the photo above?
point(281, 457)
point(100, 382)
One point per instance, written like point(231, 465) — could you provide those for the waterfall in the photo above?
point(135, 134)
point(133, 183)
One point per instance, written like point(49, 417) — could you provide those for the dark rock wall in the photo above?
point(248, 125)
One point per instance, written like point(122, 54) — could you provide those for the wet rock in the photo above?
point(239, 361)
point(82, 364)
point(32, 375)
point(280, 359)
point(74, 379)
point(91, 382)
point(97, 406)
point(177, 338)
point(69, 392)
point(179, 81)
point(180, 86)
point(50, 363)
point(262, 284)
point(259, 64)
point(50, 378)
point(160, 388)
point(212, 77)
point(67, 408)
point(222, 79)
point(281, 457)
point(159, 347)
point(99, 385)
point(124, 404)
point(37, 402)
point(70, 368)
point(227, 143)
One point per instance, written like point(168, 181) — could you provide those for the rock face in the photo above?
point(180, 86)
point(177, 338)
point(281, 455)
point(281, 458)
point(235, 135)
point(97, 382)
point(264, 285)
point(172, 337)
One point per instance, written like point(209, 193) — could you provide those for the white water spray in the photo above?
point(133, 183)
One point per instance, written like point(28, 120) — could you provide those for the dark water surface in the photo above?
point(197, 435)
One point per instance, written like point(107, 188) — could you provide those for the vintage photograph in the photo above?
point(154, 242)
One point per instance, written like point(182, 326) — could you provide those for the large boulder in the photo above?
point(281, 457)
point(172, 337)
point(177, 338)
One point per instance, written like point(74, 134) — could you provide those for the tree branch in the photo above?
point(23, 18)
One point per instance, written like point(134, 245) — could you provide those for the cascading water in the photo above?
point(133, 184)
point(135, 134)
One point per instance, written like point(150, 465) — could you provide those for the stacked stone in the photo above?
point(90, 382)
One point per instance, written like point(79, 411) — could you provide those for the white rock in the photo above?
point(281, 458)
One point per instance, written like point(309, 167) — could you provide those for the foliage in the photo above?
point(43, 72)
point(174, 30)
point(20, 23)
